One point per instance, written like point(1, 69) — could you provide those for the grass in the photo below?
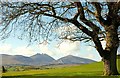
point(85, 71)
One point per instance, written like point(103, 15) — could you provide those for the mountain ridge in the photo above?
point(42, 59)
point(71, 59)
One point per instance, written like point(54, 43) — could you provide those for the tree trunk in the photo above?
point(110, 66)
point(3, 69)
point(110, 52)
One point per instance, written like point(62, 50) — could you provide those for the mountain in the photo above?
point(41, 59)
point(70, 59)
point(38, 59)
point(23, 59)
point(9, 59)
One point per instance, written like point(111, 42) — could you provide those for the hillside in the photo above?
point(70, 59)
point(42, 59)
point(22, 59)
point(93, 70)
point(8, 59)
point(38, 59)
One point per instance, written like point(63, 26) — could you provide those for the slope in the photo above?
point(70, 59)
point(93, 69)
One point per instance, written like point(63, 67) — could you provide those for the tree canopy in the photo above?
point(94, 21)
point(33, 19)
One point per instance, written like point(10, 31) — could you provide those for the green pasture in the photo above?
point(83, 71)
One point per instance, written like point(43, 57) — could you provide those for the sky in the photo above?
point(14, 46)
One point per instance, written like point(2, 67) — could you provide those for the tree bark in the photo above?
point(110, 52)
point(110, 65)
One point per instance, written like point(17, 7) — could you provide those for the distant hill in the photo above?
point(9, 59)
point(93, 70)
point(23, 59)
point(70, 59)
point(38, 59)
point(42, 59)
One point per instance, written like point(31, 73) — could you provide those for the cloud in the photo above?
point(90, 56)
point(68, 47)
point(90, 53)
point(65, 48)
point(89, 48)
point(23, 50)
point(45, 49)
point(5, 48)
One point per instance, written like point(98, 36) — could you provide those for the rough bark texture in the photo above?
point(110, 67)
point(110, 52)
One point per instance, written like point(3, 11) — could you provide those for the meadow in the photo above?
point(93, 70)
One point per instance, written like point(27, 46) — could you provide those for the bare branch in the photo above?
point(97, 14)
point(83, 19)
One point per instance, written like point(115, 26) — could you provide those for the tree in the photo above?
point(3, 69)
point(97, 20)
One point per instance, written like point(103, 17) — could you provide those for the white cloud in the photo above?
point(89, 48)
point(44, 49)
point(90, 53)
point(90, 56)
point(4, 48)
point(23, 50)
point(68, 47)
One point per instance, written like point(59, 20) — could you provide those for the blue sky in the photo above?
point(14, 46)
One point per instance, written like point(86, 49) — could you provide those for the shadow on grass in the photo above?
point(29, 76)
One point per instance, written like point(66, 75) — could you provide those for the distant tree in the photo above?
point(95, 21)
point(3, 69)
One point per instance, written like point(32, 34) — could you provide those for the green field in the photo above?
point(85, 71)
